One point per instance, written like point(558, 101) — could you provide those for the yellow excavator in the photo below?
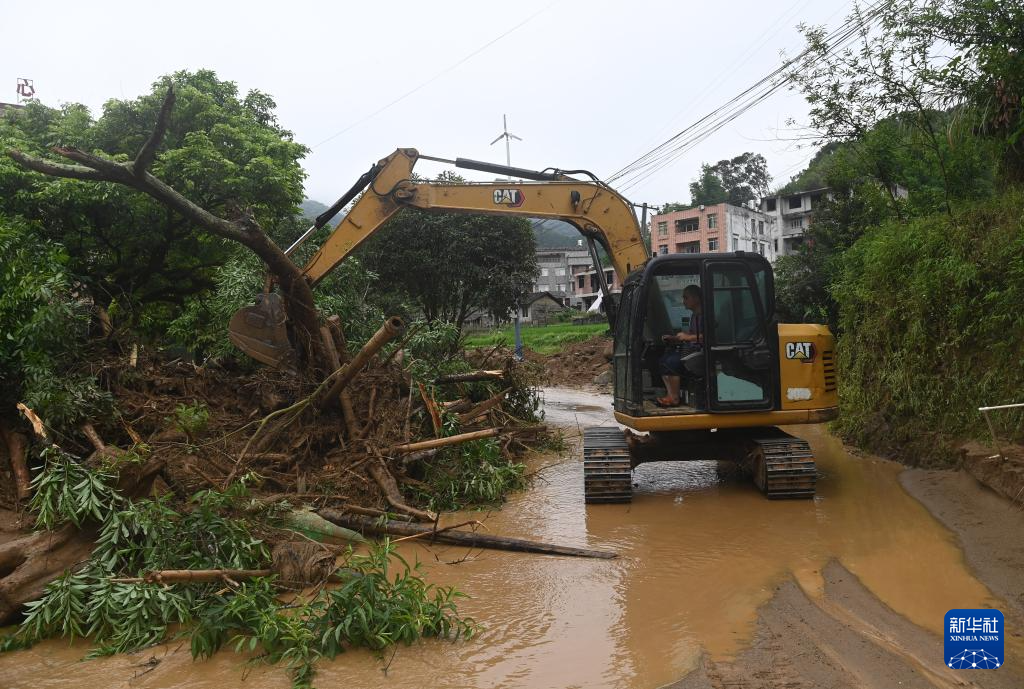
point(751, 375)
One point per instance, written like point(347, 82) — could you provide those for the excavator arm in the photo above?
point(596, 210)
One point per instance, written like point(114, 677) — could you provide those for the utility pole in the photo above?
point(643, 223)
point(508, 161)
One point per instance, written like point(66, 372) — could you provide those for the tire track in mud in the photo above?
point(845, 638)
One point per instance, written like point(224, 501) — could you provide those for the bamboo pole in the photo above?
point(484, 406)
point(443, 442)
point(391, 328)
point(347, 410)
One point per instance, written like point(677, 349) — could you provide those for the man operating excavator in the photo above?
point(680, 346)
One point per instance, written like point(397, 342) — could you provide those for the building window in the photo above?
point(580, 281)
point(796, 223)
point(688, 225)
point(760, 226)
point(609, 277)
point(663, 228)
point(543, 272)
point(712, 220)
point(769, 205)
point(559, 271)
point(688, 248)
point(663, 249)
point(713, 244)
point(760, 248)
point(794, 202)
point(753, 226)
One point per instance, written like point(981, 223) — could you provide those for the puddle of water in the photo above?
point(697, 558)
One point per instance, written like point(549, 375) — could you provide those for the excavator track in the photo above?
point(783, 467)
point(607, 468)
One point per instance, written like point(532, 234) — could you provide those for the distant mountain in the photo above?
point(554, 234)
point(311, 209)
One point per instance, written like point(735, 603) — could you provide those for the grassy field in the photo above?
point(543, 339)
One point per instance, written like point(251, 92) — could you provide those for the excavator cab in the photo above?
point(736, 369)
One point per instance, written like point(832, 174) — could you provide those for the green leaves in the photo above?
point(67, 491)
point(472, 474)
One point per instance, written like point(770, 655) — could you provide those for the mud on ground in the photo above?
point(576, 365)
point(848, 638)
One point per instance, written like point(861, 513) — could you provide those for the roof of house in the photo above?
point(554, 296)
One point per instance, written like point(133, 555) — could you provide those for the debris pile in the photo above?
point(357, 443)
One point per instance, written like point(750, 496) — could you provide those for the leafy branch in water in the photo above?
point(471, 475)
point(382, 599)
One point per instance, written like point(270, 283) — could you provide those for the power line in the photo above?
point(759, 42)
point(704, 128)
point(671, 149)
point(440, 74)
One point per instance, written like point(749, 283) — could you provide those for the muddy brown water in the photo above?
point(698, 556)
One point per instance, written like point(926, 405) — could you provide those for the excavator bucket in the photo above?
point(260, 331)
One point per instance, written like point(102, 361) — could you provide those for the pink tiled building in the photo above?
point(712, 229)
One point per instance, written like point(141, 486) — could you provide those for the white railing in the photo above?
point(991, 429)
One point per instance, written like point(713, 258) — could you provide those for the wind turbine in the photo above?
point(507, 137)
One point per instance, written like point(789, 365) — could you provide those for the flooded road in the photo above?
point(698, 557)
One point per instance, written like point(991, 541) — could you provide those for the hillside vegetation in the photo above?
point(924, 290)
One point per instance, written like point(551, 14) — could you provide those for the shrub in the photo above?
point(930, 312)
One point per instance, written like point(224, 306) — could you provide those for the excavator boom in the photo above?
point(597, 211)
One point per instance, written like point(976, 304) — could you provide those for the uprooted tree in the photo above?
point(243, 229)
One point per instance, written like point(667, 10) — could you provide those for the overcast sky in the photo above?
point(585, 83)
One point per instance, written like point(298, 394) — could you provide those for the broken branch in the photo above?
point(484, 406)
point(475, 540)
point(387, 483)
point(392, 327)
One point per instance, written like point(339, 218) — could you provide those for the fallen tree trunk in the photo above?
point(368, 525)
point(471, 377)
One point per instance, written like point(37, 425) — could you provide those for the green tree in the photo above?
point(921, 82)
point(224, 151)
point(43, 327)
point(447, 265)
point(673, 206)
point(736, 181)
